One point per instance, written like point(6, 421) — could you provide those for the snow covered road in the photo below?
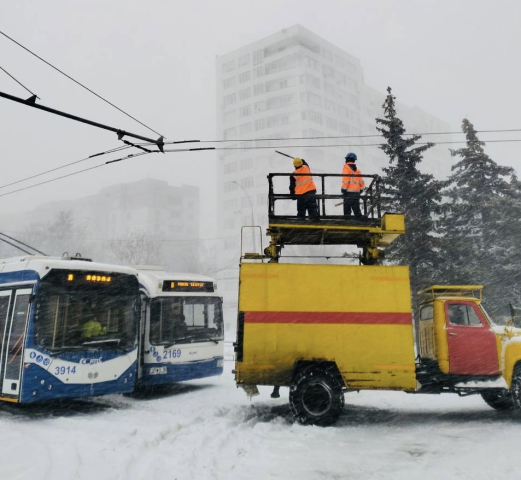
point(208, 429)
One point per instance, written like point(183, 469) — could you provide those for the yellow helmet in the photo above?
point(297, 162)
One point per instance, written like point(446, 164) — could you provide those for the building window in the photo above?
point(245, 111)
point(315, 117)
point(247, 182)
point(327, 72)
point(258, 56)
point(229, 82)
point(230, 99)
point(258, 72)
point(311, 63)
point(230, 186)
point(245, 94)
point(230, 167)
point(260, 124)
point(329, 105)
point(246, 164)
point(281, 101)
point(259, 107)
point(244, 60)
point(258, 89)
point(244, 77)
point(311, 98)
point(229, 66)
point(245, 128)
point(276, 120)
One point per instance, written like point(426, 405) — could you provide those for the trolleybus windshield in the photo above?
point(185, 320)
point(78, 310)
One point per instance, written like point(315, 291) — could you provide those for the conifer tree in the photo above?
point(477, 224)
point(407, 190)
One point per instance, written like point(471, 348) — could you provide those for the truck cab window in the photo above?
point(463, 315)
point(427, 312)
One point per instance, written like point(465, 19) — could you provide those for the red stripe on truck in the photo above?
point(366, 318)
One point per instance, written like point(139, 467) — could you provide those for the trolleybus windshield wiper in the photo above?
point(101, 342)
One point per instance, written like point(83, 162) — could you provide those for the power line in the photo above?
point(64, 166)
point(179, 150)
point(74, 173)
point(330, 146)
point(19, 83)
point(80, 84)
point(347, 136)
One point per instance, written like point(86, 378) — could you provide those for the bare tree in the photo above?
point(137, 248)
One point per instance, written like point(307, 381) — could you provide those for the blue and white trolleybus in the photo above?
point(68, 328)
point(182, 336)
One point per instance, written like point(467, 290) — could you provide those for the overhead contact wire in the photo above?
point(79, 83)
point(18, 82)
point(117, 149)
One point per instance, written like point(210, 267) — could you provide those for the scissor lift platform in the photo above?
point(376, 232)
point(370, 231)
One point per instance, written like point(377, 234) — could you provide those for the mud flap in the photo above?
point(251, 390)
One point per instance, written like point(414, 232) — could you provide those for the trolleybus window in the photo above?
point(96, 315)
point(4, 307)
point(178, 319)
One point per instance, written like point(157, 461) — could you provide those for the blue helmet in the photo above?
point(351, 156)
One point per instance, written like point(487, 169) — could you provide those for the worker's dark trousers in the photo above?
point(352, 202)
point(307, 201)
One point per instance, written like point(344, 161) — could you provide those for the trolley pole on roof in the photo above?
point(31, 102)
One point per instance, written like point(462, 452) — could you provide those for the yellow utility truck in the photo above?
point(323, 330)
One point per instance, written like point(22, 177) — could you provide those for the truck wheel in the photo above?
point(316, 397)
point(498, 399)
point(515, 388)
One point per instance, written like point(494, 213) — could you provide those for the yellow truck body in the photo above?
point(358, 317)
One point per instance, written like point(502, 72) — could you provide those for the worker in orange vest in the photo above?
point(352, 187)
point(303, 187)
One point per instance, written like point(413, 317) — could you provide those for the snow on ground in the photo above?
point(208, 429)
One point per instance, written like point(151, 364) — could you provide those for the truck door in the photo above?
point(471, 341)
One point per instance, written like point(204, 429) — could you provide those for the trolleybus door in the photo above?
point(14, 339)
point(5, 300)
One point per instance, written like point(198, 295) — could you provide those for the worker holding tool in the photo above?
point(303, 187)
point(352, 186)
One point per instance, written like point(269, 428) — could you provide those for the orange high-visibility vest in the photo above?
point(303, 183)
point(350, 183)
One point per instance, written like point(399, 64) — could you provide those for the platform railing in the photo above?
point(370, 199)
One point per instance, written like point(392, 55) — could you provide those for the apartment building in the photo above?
point(168, 213)
point(294, 84)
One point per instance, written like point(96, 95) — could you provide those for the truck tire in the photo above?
point(515, 388)
point(498, 399)
point(316, 397)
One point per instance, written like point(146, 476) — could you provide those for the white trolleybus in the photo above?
point(68, 328)
point(182, 334)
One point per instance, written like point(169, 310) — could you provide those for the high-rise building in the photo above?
point(295, 84)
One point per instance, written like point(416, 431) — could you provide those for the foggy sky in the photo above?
point(156, 60)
